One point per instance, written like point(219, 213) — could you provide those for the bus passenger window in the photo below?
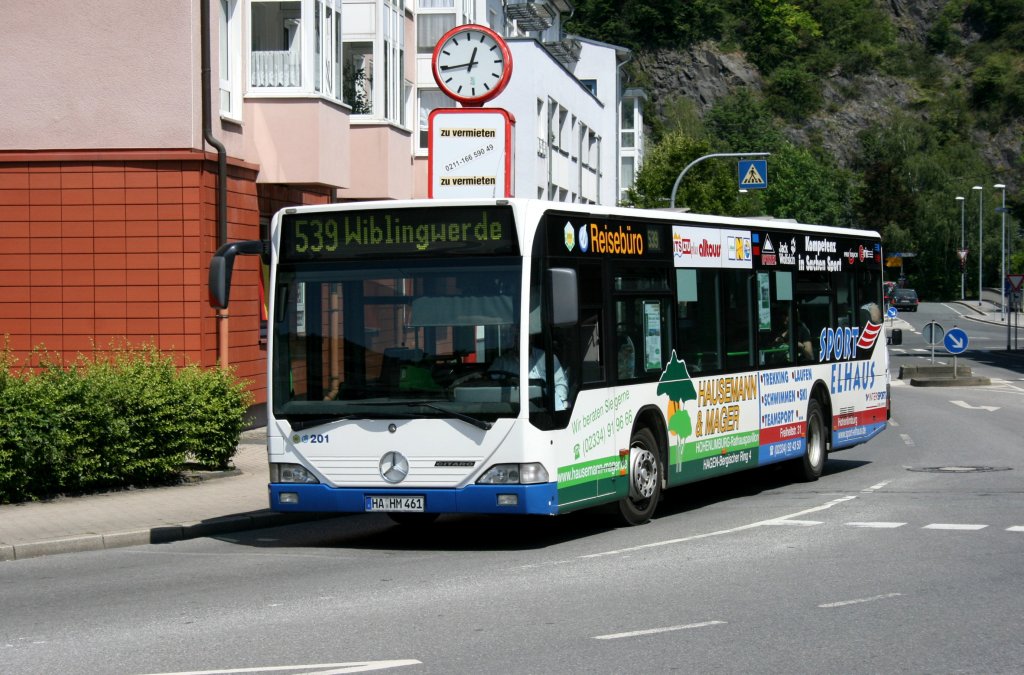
point(697, 337)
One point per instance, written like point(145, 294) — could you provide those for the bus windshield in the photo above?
point(396, 339)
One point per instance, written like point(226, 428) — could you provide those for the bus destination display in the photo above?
point(346, 235)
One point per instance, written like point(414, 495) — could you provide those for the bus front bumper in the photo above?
point(540, 499)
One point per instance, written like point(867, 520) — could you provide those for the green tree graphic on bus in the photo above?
point(675, 383)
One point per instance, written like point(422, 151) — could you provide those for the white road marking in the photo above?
point(717, 533)
point(877, 525)
point(907, 440)
point(1015, 528)
point(954, 526)
point(801, 523)
point(843, 603)
point(653, 631)
point(968, 406)
point(354, 667)
point(877, 486)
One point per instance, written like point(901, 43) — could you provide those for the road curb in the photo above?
point(164, 534)
point(972, 381)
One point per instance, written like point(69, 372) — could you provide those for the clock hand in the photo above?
point(459, 65)
point(472, 60)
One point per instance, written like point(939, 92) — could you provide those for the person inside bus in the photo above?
point(508, 362)
point(804, 346)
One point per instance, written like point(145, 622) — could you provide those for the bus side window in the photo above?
point(697, 338)
point(591, 360)
point(590, 346)
point(738, 306)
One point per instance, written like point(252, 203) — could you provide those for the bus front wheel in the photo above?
point(645, 476)
point(810, 466)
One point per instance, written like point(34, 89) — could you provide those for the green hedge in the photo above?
point(128, 418)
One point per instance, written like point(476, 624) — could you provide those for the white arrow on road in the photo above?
point(964, 404)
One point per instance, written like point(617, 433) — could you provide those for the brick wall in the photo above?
point(99, 250)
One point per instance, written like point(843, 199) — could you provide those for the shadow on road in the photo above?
point(457, 532)
point(1012, 361)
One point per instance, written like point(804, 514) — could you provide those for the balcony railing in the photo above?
point(530, 15)
point(566, 51)
point(276, 69)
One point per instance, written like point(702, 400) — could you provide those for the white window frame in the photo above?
point(229, 21)
point(393, 62)
point(320, 52)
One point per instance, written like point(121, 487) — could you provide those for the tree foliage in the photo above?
point(905, 169)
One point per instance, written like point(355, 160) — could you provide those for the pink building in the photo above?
point(135, 138)
point(122, 168)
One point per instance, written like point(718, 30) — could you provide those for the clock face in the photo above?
point(472, 64)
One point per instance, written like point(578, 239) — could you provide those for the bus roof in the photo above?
point(538, 206)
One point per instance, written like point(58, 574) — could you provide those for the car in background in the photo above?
point(905, 299)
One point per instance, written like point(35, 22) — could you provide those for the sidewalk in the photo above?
point(217, 503)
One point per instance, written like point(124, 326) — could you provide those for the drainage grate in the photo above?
point(958, 469)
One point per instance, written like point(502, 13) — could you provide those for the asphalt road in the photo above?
point(906, 556)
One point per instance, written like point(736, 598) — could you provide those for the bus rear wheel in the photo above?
point(810, 466)
point(645, 476)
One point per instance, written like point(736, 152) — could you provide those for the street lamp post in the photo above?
point(679, 178)
point(963, 261)
point(1002, 257)
point(980, 247)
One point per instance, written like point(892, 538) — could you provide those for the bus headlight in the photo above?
point(514, 474)
point(291, 473)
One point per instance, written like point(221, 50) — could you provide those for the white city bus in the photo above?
point(658, 351)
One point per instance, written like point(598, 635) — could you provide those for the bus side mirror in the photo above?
point(220, 269)
point(895, 336)
point(565, 308)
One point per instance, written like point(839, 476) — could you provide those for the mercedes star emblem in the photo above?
point(394, 467)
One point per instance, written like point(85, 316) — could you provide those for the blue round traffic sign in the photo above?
point(891, 312)
point(955, 340)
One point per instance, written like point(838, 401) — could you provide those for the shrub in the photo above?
point(126, 418)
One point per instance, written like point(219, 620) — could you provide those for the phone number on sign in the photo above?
point(465, 159)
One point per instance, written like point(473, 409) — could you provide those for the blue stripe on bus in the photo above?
point(533, 499)
point(780, 451)
point(847, 438)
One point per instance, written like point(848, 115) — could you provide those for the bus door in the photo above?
point(641, 306)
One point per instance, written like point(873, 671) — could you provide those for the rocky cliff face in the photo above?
point(705, 74)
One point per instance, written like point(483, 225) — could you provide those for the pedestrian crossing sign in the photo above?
point(753, 174)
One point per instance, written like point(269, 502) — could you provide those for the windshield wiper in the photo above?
point(305, 423)
point(316, 421)
point(476, 422)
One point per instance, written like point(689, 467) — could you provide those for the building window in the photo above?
point(230, 52)
point(394, 62)
point(627, 175)
point(628, 135)
point(292, 39)
point(328, 50)
point(429, 101)
point(431, 26)
point(276, 44)
point(591, 86)
point(358, 77)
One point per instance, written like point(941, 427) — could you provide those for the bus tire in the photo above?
point(810, 466)
point(413, 519)
point(646, 472)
